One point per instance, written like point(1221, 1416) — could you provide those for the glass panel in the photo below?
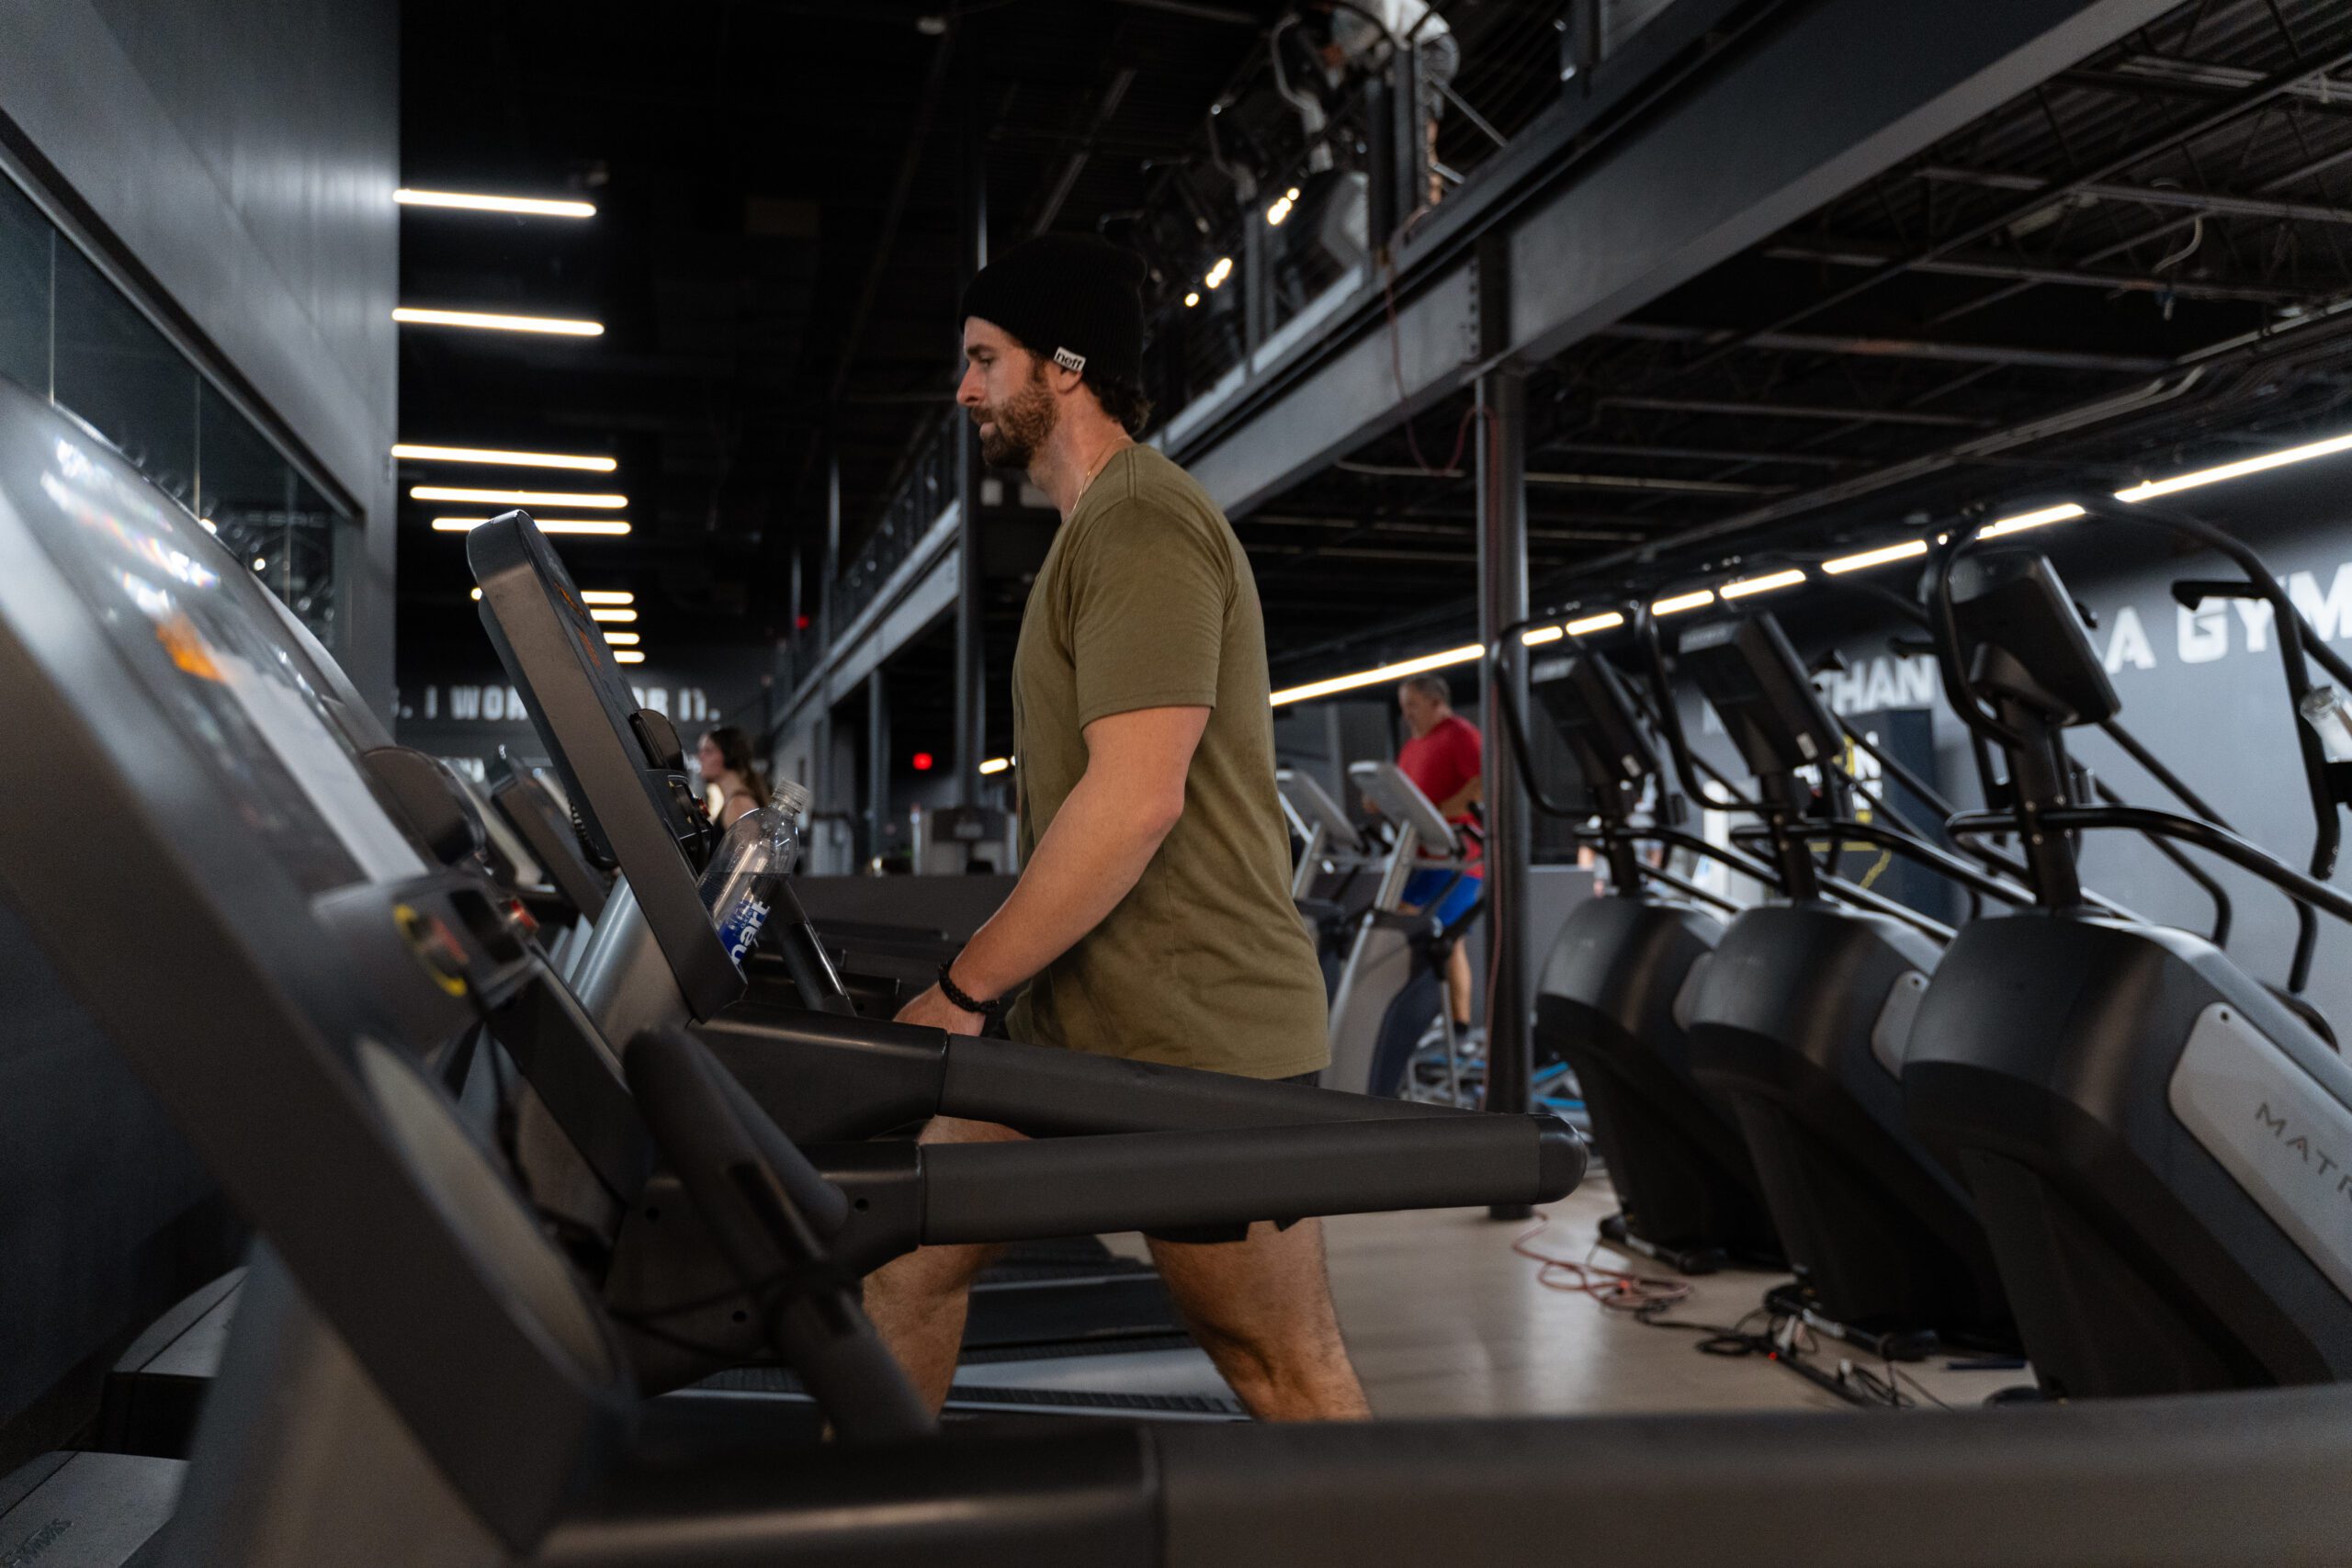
point(270, 519)
point(117, 372)
point(24, 290)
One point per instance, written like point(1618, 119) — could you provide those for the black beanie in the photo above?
point(1072, 298)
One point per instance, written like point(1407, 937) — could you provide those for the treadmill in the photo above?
point(424, 1376)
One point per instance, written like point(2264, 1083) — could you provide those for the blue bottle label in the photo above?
point(741, 929)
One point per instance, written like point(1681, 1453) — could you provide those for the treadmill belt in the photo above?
point(779, 1382)
point(1075, 1290)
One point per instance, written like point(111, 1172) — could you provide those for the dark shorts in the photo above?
point(1205, 1234)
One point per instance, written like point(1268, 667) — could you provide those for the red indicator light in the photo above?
point(922, 761)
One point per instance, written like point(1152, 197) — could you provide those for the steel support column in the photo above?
point(877, 762)
point(971, 598)
point(1502, 600)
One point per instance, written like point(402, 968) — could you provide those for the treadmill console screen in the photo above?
point(190, 623)
point(1755, 682)
point(1588, 704)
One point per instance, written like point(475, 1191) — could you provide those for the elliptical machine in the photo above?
point(2151, 1136)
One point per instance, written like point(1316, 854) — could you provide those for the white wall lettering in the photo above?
point(2130, 645)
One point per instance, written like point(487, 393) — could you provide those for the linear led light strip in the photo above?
point(489, 320)
point(596, 596)
point(996, 765)
point(1884, 556)
point(586, 502)
point(609, 526)
point(411, 452)
point(468, 202)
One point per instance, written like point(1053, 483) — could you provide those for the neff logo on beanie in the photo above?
point(1073, 299)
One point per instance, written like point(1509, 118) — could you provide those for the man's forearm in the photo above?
point(1089, 860)
point(1462, 799)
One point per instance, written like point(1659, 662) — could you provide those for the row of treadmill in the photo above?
point(533, 1171)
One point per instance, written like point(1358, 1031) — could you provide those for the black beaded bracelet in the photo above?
point(955, 992)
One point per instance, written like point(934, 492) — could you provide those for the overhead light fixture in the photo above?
point(1601, 623)
point(477, 595)
point(517, 497)
point(1220, 272)
point(611, 527)
point(606, 596)
point(996, 765)
point(2025, 520)
point(413, 315)
point(617, 617)
point(1883, 556)
point(1541, 635)
point(1385, 673)
point(1291, 194)
point(410, 452)
point(628, 656)
point(1764, 585)
point(260, 564)
point(1281, 209)
point(624, 639)
point(468, 202)
point(2268, 460)
point(1192, 299)
point(1681, 602)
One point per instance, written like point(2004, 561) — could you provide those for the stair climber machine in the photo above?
point(1390, 995)
point(2151, 1136)
point(1613, 998)
point(423, 1374)
point(1800, 1017)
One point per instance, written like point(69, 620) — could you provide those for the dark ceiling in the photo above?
point(782, 193)
point(2138, 267)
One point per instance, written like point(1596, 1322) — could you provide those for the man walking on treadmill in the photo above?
point(1153, 918)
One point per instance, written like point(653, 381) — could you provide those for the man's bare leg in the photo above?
point(1457, 984)
point(1261, 1308)
point(919, 1302)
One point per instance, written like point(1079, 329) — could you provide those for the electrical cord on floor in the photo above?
point(1614, 1289)
point(1782, 1339)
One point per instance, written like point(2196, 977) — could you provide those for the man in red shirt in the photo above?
point(1443, 756)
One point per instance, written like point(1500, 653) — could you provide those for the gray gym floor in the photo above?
point(1444, 1319)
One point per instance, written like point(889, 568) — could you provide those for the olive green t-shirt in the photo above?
point(1147, 601)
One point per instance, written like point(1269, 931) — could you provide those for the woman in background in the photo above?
point(731, 783)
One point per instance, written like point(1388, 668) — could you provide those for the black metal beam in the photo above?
point(2207, 201)
point(971, 597)
point(2016, 269)
point(1890, 348)
point(1502, 603)
point(1735, 409)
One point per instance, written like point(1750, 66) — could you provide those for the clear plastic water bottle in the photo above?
point(740, 885)
point(2325, 710)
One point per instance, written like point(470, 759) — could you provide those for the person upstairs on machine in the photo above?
point(1442, 757)
point(1153, 913)
point(729, 777)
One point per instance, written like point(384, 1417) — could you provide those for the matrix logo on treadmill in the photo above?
point(2318, 1160)
point(34, 1545)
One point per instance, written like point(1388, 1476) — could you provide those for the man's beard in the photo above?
point(1022, 425)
